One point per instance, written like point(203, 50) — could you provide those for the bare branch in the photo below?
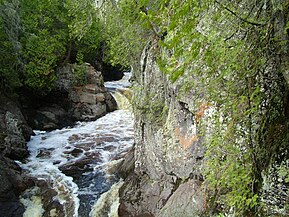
point(239, 17)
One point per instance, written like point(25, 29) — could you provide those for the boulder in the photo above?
point(14, 130)
point(91, 100)
point(50, 117)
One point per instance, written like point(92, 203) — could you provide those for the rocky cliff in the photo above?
point(165, 174)
point(166, 179)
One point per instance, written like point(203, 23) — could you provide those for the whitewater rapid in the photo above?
point(74, 160)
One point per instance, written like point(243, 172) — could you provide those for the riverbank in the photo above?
point(19, 114)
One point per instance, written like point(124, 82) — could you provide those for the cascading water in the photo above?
point(74, 160)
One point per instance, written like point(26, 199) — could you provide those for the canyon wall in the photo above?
point(168, 153)
point(165, 174)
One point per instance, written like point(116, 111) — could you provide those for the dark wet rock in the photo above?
point(93, 156)
point(5, 188)
point(109, 148)
point(45, 112)
point(111, 73)
point(44, 190)
point(53, 207)
point(50, 205)
point(188, 200)
point(110, 102)
point(135, 197)
point(12, 177)
point(14, 133)
point(14, 130)
point(80, 166)
point(56, 162)
point(103, 139)
point(50, 117)
point(84, 111)
point(75, 152)
point(45, 153)
point(74, 137)
point(86, 146)
point(11, 209)
point(127, 166)
point(13, 183)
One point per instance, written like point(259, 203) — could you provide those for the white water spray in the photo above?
point(73, 160)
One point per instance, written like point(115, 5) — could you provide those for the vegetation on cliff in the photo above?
point(233, 56)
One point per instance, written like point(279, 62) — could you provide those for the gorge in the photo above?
point(208, 132)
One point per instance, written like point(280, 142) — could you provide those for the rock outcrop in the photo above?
point(90, 100)
point(166, 179)
point(176, 133)
point(14, 133)
point(79, 95)
point(14, 129)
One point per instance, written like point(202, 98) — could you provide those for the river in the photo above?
point(75, 160)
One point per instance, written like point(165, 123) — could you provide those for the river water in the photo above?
point(75, 161)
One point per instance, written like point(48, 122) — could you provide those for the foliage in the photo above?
point(151, 106)
point(8, 61)
point(125, 35)
point(230, 54)
point(79, 77)
point(8, 57)
point(43, 41)
point(38, 36)
point(275, 190)
point(226, 55)
point(89, 45)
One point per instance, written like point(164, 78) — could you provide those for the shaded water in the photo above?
point(74, 160)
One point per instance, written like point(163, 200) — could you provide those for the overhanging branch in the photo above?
point(239, 17)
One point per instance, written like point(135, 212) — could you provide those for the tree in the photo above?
point(233, 55)
point(9, 52)
point(125, 32)
point(42, 35)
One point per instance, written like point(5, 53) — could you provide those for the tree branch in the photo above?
point(239, 17)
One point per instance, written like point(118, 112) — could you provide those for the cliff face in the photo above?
point(168, 150)
point(165, 174)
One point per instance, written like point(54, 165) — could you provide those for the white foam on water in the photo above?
point(33, 204)
point(64, 186)
point(49, 151)
point(124, 82)
point(98, 142)
point(108, 203)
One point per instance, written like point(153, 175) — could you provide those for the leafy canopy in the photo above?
point(39, 36)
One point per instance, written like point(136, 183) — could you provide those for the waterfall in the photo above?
point(73, 161)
